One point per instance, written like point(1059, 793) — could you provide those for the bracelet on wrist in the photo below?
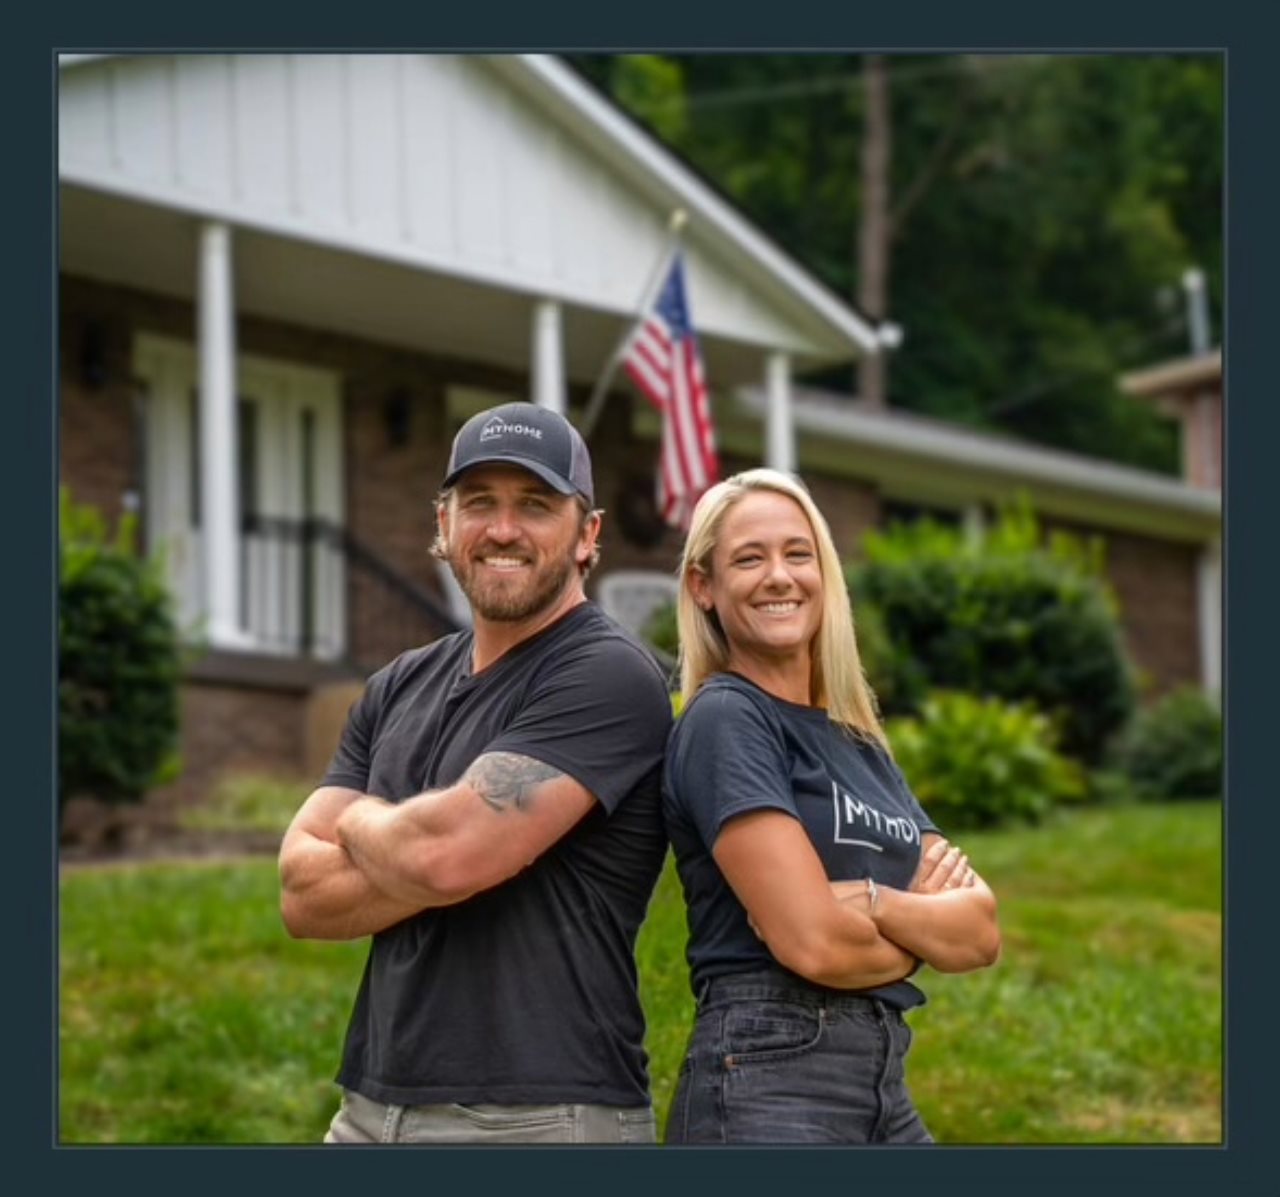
point(873, 896)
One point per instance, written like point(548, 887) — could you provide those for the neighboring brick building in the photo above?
point(1189, 391)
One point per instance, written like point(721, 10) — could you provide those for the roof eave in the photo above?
point(998, 464)
point(1177, 375)
point(609, 128)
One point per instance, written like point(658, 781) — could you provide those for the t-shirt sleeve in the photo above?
point(727, 758)
point(598, 712)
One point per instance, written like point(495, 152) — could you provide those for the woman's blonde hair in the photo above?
point(837, 682)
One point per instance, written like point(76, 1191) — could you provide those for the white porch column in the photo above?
point(780, 433)
point(974, 522)
point(1209, 586)
point(219, 495)
point(548, 357)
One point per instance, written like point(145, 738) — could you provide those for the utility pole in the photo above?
point(1193, 282)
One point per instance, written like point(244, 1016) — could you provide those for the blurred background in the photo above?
point(974, 301)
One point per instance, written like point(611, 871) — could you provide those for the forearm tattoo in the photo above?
point(506, 780)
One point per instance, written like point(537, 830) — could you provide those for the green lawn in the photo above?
point(188, 1016)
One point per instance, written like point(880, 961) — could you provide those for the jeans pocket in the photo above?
point(758, 1031)
point(638, 1126)
point(490, 1117)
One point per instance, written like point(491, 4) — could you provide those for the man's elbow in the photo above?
point(295, 917)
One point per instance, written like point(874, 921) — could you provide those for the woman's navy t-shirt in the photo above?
point(738, 749)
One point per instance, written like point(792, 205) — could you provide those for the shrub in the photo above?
point(980, 762)
point(1172, 750)
point(1002, 615)
point(118, 662)
point(660, 630)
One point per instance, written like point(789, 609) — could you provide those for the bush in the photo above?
point(1172, 750)
point(1000, 615)
point(976, 762)
point(118, 663)
point(660, 630)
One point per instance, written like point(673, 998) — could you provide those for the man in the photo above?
point(492, 817)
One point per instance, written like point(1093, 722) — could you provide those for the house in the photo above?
point(286, 279)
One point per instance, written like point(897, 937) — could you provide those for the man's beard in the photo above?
point(511, 600)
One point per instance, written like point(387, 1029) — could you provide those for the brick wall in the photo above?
point(1155, 584)
point(850, 509)
point(98, 447)
point(229, 729)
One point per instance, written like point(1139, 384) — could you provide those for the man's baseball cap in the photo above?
point(536, 438)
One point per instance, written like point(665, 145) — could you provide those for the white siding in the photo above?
point(141, 98)
point(264, 133)
point(320, 140)
point(203, 115)
point(434, 161)
point(376, 148)
point(429, 153)
point(84, 126)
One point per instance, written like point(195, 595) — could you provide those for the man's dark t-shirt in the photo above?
point(525, 993)
point(738, 749)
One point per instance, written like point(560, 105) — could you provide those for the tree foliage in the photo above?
point(1044, 209)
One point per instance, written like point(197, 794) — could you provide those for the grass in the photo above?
point(188, 1016)
point(247, 802)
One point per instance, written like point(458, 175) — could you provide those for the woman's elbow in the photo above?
point(822, 959)
point(981, 951)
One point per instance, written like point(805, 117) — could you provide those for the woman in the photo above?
point(815, 882)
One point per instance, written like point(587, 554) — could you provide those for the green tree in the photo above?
point(1040, 207)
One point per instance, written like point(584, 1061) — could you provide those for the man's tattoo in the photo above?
point(507, 779)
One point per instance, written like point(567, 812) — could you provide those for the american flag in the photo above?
point(663, 361)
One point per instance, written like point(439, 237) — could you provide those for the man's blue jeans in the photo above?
point(775, 1060)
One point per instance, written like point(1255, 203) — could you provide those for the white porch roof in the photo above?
point(425, 201)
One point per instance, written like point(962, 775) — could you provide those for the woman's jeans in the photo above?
point(773, 1059)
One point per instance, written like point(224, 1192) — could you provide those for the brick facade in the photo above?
point(98, 445)
point(229, 729)
point(1154, 582)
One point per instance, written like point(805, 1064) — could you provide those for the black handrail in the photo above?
point(386, 611)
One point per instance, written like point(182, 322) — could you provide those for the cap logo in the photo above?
point(497, 426)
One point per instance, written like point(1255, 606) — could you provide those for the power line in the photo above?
point(1039, 390)
point(729, 97)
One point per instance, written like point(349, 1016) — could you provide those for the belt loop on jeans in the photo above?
point(703, 990)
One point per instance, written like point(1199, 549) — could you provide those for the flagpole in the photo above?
point(596, 402)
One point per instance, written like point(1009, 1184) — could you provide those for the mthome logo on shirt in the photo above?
point(497, 426)
point(855, 821)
